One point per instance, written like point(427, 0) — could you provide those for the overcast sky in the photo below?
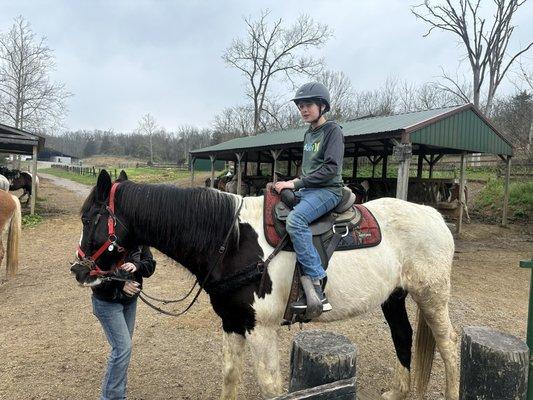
point(122, 59)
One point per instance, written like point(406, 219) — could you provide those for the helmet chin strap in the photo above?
point(321, 108)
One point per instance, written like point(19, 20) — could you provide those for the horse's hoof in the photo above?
point(394, 395)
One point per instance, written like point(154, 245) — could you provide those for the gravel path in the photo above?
point(52, 347)
point(78, 188)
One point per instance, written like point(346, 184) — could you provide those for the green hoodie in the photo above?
point(323, 155)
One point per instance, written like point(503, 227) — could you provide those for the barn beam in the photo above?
point(355, 158)
point(33, 181)
point(275, 156)
point(191, 165)
point(212, 158)
point(239, 177)
point(403, 152)
point(461, 193)
point(289, 163)
point(505, 208)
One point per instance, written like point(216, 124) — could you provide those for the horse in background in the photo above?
point(23, 181)
point(10, 220)
point(4, 183)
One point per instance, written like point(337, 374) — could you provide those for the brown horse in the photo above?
point(10, 219)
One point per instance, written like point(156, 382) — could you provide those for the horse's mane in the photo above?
point(198, 218)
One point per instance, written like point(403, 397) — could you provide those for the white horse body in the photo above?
point(360, 280)
point(415, 254)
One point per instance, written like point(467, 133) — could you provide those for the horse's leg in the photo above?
point(2, 252)
point(263, 342)
point(434, 309)
point(233, 353)
point(402, 336)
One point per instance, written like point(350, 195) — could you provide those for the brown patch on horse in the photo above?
point(10, 218)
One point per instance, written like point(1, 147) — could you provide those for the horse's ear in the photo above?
point(103, 185)
point(122, 176)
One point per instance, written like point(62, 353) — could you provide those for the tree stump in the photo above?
point(494, 365)
point(320, 357)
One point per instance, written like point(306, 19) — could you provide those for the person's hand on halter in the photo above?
point(279, 186)
point(131, 288)
point(129, 267)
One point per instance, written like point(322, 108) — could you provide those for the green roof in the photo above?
point(454, 129)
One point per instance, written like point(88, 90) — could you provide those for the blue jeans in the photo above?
point(118, 321)
point(314, 202)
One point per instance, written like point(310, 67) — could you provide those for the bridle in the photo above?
point(109, 244)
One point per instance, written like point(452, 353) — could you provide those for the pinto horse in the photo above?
point(10, 220)
point(190, 225)
point(22, 180)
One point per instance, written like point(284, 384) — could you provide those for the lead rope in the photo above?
point(221, 252)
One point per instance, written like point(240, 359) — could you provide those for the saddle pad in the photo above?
point(365, 234)
point(271, 199)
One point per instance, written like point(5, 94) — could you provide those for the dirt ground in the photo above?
point(52, 347)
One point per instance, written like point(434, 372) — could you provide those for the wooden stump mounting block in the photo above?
point(320, 357)
point(494, 365)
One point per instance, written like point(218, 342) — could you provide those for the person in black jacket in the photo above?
point(115, 304)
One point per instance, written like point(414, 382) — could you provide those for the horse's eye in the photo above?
point(85, 221)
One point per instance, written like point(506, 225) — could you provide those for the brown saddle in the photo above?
point(354, 223)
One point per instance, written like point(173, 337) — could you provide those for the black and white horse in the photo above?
point(189, 225)
point(22, 180)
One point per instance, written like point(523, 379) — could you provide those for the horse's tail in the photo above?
point(424, 353)
point(13, 237)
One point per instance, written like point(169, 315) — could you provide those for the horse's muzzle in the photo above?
point(82, 272)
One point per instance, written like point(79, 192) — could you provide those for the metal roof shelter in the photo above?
point(430, 134)
point(16, 141)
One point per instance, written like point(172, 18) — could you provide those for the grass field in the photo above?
point(141, 174)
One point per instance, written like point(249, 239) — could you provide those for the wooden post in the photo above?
point(431, 165)
point(355, 158)
point(239, 177)
point(402, 152)
point(33, 182)
point(506, 190)
point(258, 172)
point(275, 156)
point(212, 158)
point(320, 357)
point(192, 170)
point(289, 163)
point(384, 166)
point(494, 365)
point(461, 193)
point(345, 389)
point(420, 165)
point(246, 164)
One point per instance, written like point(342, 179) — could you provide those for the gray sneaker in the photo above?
point(300, 305)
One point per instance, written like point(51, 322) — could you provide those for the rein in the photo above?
point(221, 252)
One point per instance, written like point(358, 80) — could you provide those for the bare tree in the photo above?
point(28, 98)
point(486, 42)
point(341, 93)
point(147, 125)
point(272, 50)
point(526, 76)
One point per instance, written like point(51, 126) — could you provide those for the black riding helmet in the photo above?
point(313, 91)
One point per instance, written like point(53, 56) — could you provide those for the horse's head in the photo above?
point(104, 236)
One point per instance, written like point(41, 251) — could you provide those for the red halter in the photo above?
point(111, 241)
